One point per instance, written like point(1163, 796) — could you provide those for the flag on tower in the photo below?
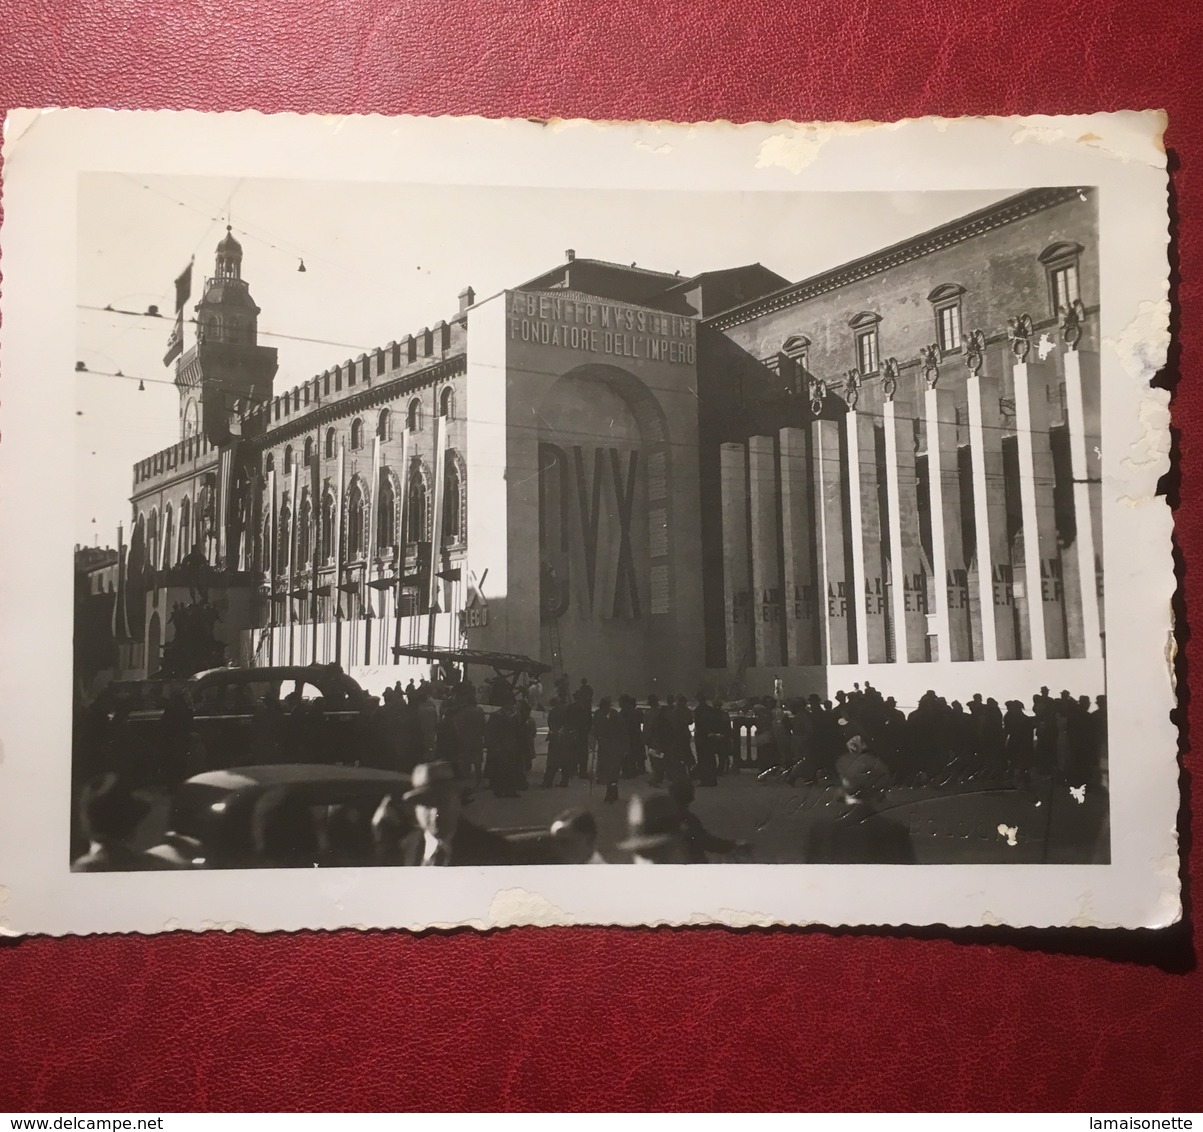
point(183, 291)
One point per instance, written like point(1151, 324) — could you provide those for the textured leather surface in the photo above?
point(627, 1019)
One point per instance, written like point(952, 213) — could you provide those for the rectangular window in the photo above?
point(1064, 283)
point(948, 327)
point(866, 351)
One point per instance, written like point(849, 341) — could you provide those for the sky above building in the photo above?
point(384, 260)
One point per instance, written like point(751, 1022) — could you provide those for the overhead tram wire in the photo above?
point(284, 247)
point(163, 318)
point(1040, 481)
point(1009, 429)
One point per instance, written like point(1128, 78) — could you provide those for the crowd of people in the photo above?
point(857, 745)
point(1063, 737)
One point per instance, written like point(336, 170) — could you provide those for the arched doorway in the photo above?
point(604, 525)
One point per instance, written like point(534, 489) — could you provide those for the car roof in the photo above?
point(292, 774)
point(314, 672)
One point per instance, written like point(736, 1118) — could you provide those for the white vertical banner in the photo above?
point(225, 465)
point(269, 551)
point(373, 516)
point(294, 515)
point(436, 520)
point(1033, 586)
point(897, 570)
point(860, 604)
point(402, 503)
point(1083, 519)
point(939, 550)
point(338, 523)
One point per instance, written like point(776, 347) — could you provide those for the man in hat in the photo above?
point(110, 816)
point(699, 841)
point(853, 830)
point(444, 836)
point(574, 838)
point(654, 833)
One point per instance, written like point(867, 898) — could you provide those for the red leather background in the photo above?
point(630, 1019)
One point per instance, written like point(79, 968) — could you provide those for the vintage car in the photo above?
point(295, 816)
point(311, 815)
point(242, 716)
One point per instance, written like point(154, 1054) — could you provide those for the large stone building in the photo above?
point(885, 472)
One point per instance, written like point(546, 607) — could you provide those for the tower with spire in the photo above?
point(226, 370)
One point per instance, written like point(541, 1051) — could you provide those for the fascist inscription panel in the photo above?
point(606, 329)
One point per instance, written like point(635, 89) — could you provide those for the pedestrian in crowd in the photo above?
point(764, 739)
point(574, 838)
point(503, 752)
point(470, 734)
point(109, 816)
point(611, 737)
point(712, 730)
point(635, 762)
point(654, 832)
point(699, 842)
point(1046, 734)
point(679, 759)
point(558, 745)
point(854, 831)
point(577, 728)
point(1019, 729)
point(525, 722)
point(181, 751)
point(443, 835)
point(427, 716)
point(534, 693)
point(447, 745)
point(655, 736)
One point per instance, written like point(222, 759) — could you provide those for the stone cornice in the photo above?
point(996, 216)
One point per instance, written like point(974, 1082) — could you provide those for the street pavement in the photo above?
point(950, 824)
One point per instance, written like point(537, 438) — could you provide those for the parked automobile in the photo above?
point(244, 716)
point(296, 816)
point(253, 816)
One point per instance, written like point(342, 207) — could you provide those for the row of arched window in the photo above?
point(383, 429)
point(162, 543)
point(417, 515)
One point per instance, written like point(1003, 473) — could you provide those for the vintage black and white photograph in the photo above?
point(437, 523)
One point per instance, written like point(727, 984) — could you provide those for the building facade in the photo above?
point(885, 472)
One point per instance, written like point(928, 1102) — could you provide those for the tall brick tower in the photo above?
point(226, 370)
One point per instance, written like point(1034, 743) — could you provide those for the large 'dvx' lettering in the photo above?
point(587, 499)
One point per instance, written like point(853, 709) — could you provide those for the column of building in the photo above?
point(1081, 384)
point(764, 510)
point(733, 472)
point(805, 630)
point(1042, 557)
point(908, 584)
point(829, 459)
point(983, 391)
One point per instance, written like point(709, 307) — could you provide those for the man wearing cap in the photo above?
point(110, 815)
point(852, 830)
point(699, 841)
point(574, 838)
point(444, 836)
point(654, 832)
